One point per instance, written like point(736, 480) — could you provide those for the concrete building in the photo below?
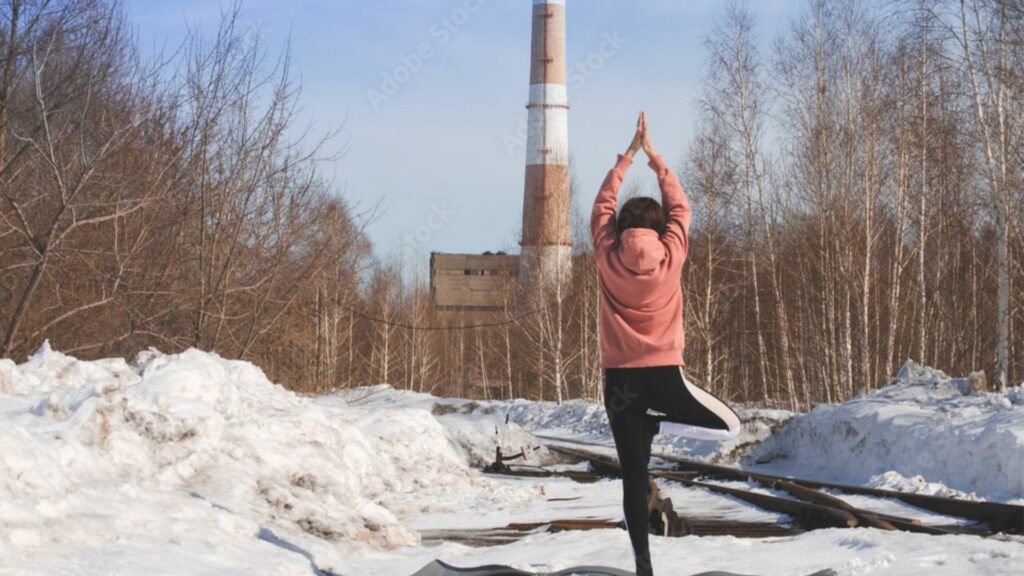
point(473, 282)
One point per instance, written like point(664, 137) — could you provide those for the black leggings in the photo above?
point(686, 409)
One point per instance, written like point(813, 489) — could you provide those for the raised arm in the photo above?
point(673, 201)
point(602, 217)
point(676, 206)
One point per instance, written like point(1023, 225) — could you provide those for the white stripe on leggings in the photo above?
point(731, 419)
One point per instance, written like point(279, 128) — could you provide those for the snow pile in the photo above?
point(194, 448)
point(475, 426)
point(923, 425)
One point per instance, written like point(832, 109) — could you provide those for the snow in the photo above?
point(193, 464)
point(895, 481)
point(924, 432)
point(187, 449)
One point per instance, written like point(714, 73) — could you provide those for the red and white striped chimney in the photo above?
point(545, 246)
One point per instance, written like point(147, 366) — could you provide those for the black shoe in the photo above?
point(664, 521)
point(676, 525)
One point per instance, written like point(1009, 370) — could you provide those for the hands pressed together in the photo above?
point(641, 139)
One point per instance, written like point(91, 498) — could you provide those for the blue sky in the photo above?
point(440, 141)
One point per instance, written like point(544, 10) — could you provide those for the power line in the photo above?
point(496, 324)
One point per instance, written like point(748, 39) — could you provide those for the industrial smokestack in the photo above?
point(546, 246)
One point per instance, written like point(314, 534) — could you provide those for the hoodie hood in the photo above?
point(641, 250)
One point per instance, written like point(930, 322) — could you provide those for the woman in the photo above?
point(640, 256)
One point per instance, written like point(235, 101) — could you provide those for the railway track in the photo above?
point(809, 506)
point(802, 504)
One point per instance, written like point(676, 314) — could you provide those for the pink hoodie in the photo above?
point(640, 275)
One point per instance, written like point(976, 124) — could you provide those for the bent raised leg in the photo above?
point(690, 410)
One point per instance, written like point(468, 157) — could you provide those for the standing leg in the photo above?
point(625, 403)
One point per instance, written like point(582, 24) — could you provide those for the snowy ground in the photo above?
point(192, 464)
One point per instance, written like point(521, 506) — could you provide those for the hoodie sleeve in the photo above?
point(677, 210)
point(602, 217)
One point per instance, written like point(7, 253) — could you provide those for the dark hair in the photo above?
point(641, 212)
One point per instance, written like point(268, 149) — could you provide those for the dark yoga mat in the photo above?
point(439, 568)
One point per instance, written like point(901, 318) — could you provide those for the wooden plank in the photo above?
point(867, 517)
point(700, 526)
point(600, 462)
point(580, 476)
point(864, 517)
point(1000, 517)
point(806, 514)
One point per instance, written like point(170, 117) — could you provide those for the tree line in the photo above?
point(855, 184)
point(169, 201)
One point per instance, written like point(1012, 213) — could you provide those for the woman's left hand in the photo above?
point(648, 149)
point(638, 137)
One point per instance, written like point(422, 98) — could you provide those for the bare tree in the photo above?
point(983, 39)
point(64, 129)
point(712, 181)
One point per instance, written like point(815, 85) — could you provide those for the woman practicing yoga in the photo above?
point(640, 257)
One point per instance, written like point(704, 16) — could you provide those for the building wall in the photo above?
point(472, 281)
